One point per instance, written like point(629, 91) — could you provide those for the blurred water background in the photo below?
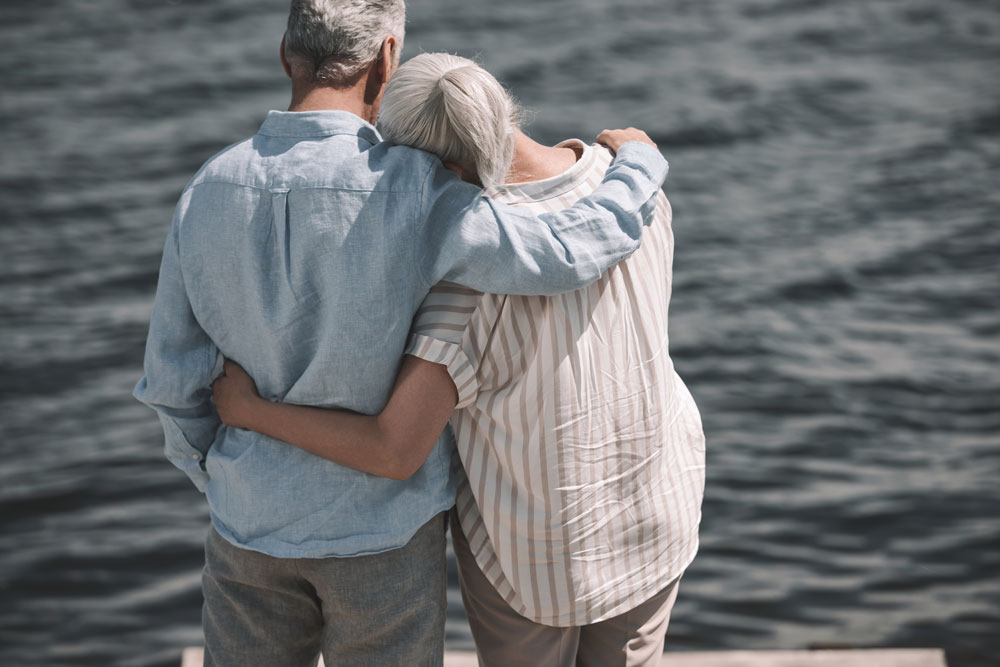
point(835, 182)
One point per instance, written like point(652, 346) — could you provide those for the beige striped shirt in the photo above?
point(582, 449)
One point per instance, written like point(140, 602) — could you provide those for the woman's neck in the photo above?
point(534, 161)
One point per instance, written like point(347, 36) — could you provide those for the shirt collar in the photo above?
point(318, 124)
point(554, 185)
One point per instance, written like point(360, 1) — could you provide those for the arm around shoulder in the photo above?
point(469, 239)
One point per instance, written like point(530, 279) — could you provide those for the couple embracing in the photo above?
point(360, 338)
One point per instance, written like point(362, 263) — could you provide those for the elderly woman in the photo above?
point(582, 452)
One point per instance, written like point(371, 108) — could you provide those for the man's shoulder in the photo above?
point(414, 160)
point(224, 165)
point(381, 167)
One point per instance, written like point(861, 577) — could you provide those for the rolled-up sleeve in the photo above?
point(452, 328)
point(180, 363)
point(475, 241)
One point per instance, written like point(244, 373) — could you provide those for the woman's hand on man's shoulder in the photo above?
point(614, 139)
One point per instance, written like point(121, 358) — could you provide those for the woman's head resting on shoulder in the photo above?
point(452, 107)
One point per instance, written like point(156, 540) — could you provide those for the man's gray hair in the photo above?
point(452, 107)
point(336, 40)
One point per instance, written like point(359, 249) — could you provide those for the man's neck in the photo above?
point(324, 98)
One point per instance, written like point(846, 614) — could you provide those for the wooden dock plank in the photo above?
point(836, 658)
point(193, 657)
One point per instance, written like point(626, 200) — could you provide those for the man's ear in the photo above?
point(387, 58)
point(284, 60)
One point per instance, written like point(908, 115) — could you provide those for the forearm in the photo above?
point(393, 444)
point(349, 439)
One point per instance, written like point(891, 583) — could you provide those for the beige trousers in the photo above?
point(504, 638)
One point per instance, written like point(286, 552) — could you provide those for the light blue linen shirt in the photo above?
point(302, 253)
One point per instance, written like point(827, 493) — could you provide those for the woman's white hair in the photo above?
point(452, 107)
point(336, 40)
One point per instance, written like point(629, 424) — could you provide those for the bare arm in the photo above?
point(394, 443)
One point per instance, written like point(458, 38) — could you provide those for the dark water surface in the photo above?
point(835, 182)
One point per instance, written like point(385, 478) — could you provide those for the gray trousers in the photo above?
point(504, 638)
point(383, 609)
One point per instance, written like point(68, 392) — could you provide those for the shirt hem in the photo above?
point(573, 619)
point(266, 545)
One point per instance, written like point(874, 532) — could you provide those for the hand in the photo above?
point(614, 139)
point(235, 395)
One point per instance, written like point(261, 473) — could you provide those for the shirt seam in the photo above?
point(423, 203)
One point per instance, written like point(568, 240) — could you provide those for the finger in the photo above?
point(608, 140)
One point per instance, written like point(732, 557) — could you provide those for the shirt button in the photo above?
point(195, 456)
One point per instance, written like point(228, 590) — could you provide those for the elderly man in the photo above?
point(303, 253)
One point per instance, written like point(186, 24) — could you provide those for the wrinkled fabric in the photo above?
point(302, 253)
point(583, 450)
